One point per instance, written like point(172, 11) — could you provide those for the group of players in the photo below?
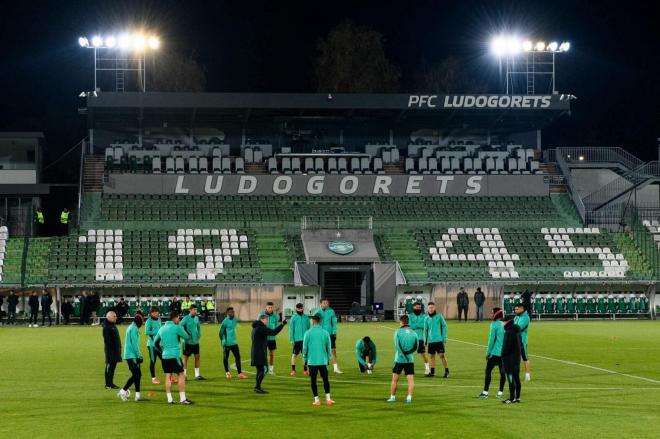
point(314, 337)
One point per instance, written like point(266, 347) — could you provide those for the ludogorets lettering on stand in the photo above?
point(479, 101)
point(347, 185)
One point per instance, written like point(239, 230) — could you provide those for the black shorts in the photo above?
point(437, 347)
point(297, 347)
point(172, 365)
point(421, 347)
point(190, 349)
point(333, 341)
point(272, 345)
point(407, 368)
point(523, 352)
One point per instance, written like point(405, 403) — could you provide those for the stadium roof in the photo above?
point(470, 112)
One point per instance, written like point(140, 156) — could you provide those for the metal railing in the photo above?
point(599, 154)
point(336, 222)
point(621, 185)
point(560, 156)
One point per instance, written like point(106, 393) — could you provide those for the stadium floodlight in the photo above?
point(154, 43)
point(97, 41)
point(527, 46)
point(138, 42)
point(498, 46)
point(565, 46)
point(124, 41)
point(513, 45)
point(83, 41)
point(540, 46)
point(110, 42)
point(553, 46)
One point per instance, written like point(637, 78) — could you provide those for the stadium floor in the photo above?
point(588, 379)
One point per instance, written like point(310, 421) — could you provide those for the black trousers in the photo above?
point(66, 318)
point(110, 372)
point(34, 316)
point(153, 356)
point(313, 374)
point(205, 314)
point(462, 310)
point(45, 314)
point(260, 375)
point(11, 316)
point(136, 375)
point(492, 362)
point(512, 371)
point(237, 357)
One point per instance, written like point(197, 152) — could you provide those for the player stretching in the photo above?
point(229, 343)
point(316, 353)
point(151, 329)
point(329, 323)
point(298, 326)
point(168, 341)
point(522, 320)
point(365, 351)
point(190, 324)
point(133, 358)
point(417, 319)
point(435, 336)
point(405, 345)
point(494, 352)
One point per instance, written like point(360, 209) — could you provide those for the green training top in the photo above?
point(361, 352)
point(273, 321)
point(328, 319)
point(227, 332)
point(151, 328)
point(132, 343)
point(192, 327)
point(298, 325)
point(316, 346)
point(523, 323)
point(435, 328)
point(405, 345)
point(168, 335)
point(495, 339)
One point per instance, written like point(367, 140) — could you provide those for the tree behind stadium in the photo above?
point(352, 59)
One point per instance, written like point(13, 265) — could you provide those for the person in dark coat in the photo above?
point(122, 310)
point(33, 303)
point(66, 310)
point(511, 351)
point(12, 302)
point(176, 305)
point(84, 313)
point(46, 302)
point(479, 300)
point(112, 347)
point(260, 333)
point(463, 301)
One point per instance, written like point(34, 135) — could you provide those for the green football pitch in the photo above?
point(588, 379)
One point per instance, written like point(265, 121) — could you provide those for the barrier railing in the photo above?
point(599, 154)
point(561, 156)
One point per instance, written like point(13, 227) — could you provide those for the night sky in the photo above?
point(249, 46)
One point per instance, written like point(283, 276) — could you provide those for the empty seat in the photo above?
point(203, 165)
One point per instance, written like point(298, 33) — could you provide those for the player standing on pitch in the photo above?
point(167, 341)
point(365, 351)
point(151, 330)
point(112, 348)
point(316, 353)
point(260, 334)
point(417, 320)
point(511, 352)
point(405, 345)
point(133, 358)
point(273, 320)
point(229, 344)
point(494, 352)
point(298, 326)
point(328, 320)
point(435, 336)
point(522, 320)
point(190, 323)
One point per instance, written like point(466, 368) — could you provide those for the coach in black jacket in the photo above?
point(112, 347)
point(511, 350)
point(260, 333)
point(46, 302)
point(33, 303)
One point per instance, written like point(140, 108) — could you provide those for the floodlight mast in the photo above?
point(527, 60)
point(121, 54)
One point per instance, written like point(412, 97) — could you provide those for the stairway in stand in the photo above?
point(341, 289)
point(557, 182)
point(394, 168)
point(93, 174)
point(255, 168)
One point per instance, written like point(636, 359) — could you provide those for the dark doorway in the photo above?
point(345, 284)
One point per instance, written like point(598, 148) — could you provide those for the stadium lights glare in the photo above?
point(540, 46)
point(528, 46)
point(504, 45)
point(134, 41)
point(553, 46)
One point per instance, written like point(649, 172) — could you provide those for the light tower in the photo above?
point(121, 54)
point(529, 65)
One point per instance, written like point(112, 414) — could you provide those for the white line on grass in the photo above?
point(572, 363)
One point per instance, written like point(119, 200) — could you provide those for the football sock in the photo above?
point(327, 397)
point(137, 395)
point(182, 396)
point(169, 398)
point(196, 372)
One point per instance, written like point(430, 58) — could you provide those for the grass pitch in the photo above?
point(588, 379)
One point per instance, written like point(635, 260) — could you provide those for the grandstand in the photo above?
point(222, 194)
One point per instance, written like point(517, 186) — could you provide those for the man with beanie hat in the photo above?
point(494, 352)
point(133, 358)
point(511, 351)
point(298, 325)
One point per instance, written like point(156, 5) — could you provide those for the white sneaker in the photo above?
point(369, 372)
point(271, 372)
point(338, 372)
point(122, 394)
point(30, 325)
point(391, 399)
point(499, 395)
point(36, 326)
point(528, 377)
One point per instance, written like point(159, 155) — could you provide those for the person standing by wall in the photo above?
point(479, 300)
point(66, 311)
point(463, 301)
point(12, 302)
point(46, 302)
point(33, 303)
point(112, 348)
point(64, 221)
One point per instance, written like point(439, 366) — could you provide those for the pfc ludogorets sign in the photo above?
point(347, 185)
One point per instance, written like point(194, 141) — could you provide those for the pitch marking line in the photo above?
point(572, 363)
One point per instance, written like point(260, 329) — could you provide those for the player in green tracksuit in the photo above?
point(316, 353)
point(523, 321)
point(435, 337)
point(190, 323)
point(133, 358)
point(494, 353)
point(329, 323)
point(168, 342)
point(405, 345)
point(229, 344)
point(365, 351)
point(417, 319)
point(151, 328)
point(273, 321)
point(298, 326)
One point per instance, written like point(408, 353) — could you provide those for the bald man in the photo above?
point(112, 346)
